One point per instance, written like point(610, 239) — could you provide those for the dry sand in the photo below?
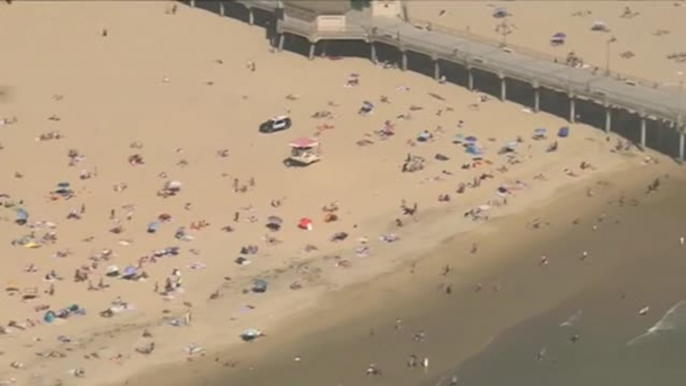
point(651, 33)
point(178, 86)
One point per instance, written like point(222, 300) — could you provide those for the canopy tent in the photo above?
point(22, 216)
point(304, 143)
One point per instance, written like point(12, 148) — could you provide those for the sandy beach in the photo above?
point(137, 191)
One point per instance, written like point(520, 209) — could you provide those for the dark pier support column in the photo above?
point(643, 132)
point(437, 70)
point(251, 16)
point(470, 79)
point(372, 45)
point(503, 88)
point(282, 37)
point(222, 11)
point(572, 108)
point(608, 119)
point(325, 48)
point(404, 60)
point(537, 97)
point(312, 45)
point(680, 127)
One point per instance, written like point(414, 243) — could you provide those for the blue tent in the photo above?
point(49, 317)
point(259, 286)
point(563, 132)
point(22, 216)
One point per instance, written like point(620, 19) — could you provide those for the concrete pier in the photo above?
point(437, 70)
point(373, 53)
point(470, 79)
point(537, 99)
point(312, 46)
point(608, 119)
point(251, 16)
point(222, 11)
point(404, 60)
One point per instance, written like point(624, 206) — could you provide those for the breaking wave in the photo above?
point(674, 318)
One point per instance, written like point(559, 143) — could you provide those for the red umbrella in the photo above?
point(305, 223)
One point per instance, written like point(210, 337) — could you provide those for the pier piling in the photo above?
point(503, 88)
point(572, 108)
point(643, 132)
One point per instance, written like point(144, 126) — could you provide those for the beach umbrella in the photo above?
point(563, 132)
point(274, 220)
point(471, 138)
point(112, 270)
point(305, 223)
point(540, 131)
point(260, 286)
point(560, 35)
point(129, 272)
point(499, 13)
point(251, 334)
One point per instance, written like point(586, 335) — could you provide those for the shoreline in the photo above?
point(301, 325)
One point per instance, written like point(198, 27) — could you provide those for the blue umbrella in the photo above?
point(153, 227)
point(560, 35)
point(471, 138)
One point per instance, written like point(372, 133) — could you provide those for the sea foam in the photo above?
point(674, 318)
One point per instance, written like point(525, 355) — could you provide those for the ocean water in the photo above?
point(627, 328)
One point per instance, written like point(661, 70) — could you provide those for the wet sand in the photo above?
point(358, 327)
